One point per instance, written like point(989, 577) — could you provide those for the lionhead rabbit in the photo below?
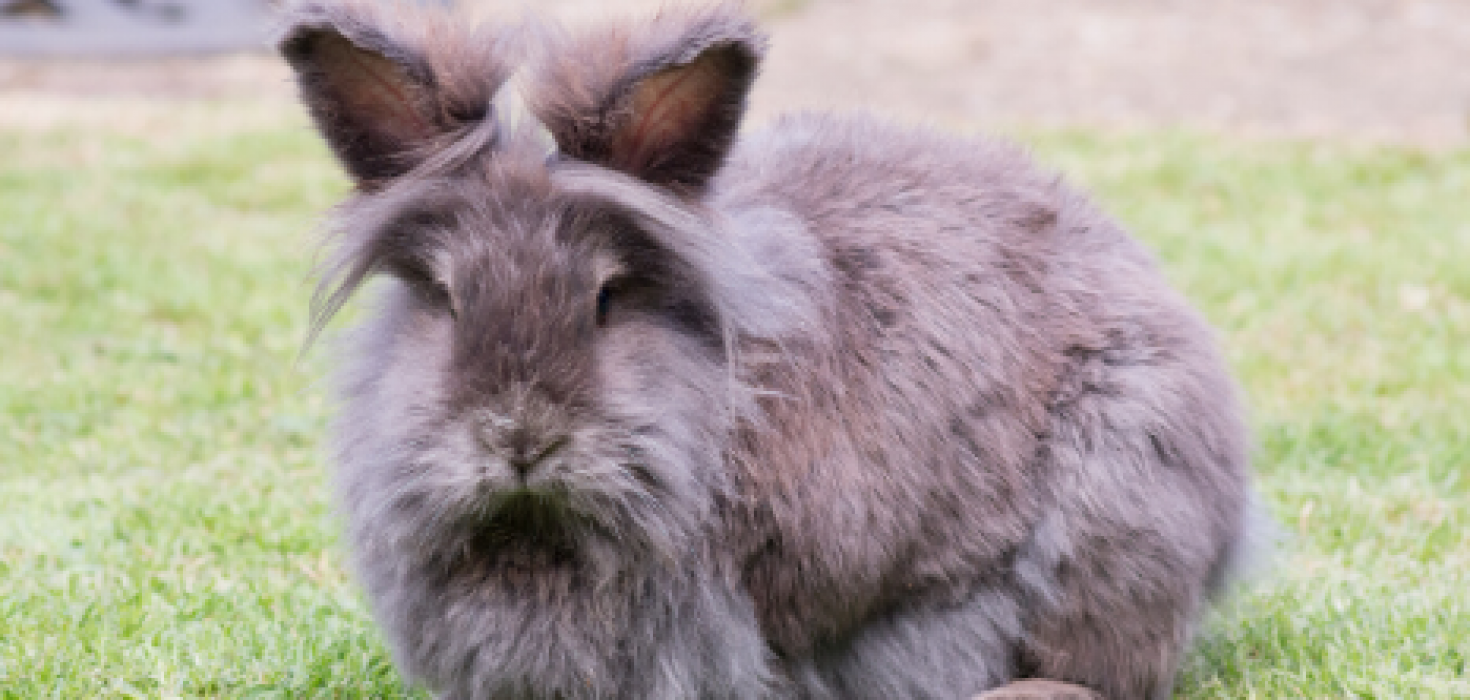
point(836, 409)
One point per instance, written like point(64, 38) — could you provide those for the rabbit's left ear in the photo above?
point(661, 102)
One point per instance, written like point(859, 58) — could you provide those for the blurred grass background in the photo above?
point(163, 520)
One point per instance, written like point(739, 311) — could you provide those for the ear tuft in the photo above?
point(661, 101)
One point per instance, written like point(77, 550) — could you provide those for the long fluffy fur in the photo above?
point(838, 409)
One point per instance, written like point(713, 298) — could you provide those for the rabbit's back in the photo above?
point(1003, 400)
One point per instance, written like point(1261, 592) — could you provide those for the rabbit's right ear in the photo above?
point(660, 101)
point(381, 85)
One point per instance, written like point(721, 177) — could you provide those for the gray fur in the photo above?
point(835, 410)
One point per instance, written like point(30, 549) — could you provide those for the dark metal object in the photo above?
point(54, 28)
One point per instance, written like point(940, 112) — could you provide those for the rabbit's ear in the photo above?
point(661, 101)
point(373, 93)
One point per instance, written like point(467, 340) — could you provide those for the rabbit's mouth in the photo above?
point(536, 518)
point(524, 512)
point(585, 496)
point(527, 533)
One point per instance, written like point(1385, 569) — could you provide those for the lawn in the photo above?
point(164, 528)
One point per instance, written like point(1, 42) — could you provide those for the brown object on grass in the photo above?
point(1036, 689)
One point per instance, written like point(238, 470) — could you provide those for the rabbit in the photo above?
point(645, 406)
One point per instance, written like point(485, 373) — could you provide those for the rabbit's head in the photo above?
point(549, 357)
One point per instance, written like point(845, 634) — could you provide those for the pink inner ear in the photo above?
point(376, 90)
point(667, 107)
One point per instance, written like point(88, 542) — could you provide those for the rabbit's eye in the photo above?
point(430, 289)
point(439, 292)
point(621, 292)
point(604, 300)
point(452, 304)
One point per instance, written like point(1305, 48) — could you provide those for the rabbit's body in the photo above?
point(843, 411)
point(1034, 441)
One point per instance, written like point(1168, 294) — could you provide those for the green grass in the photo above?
point(163, 527)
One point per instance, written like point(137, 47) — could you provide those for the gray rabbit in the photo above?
point(649, 408)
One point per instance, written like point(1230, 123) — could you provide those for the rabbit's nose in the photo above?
point(527, 453)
